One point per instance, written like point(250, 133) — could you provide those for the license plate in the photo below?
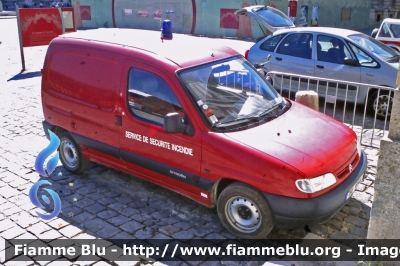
point(351, 191)
point(330, 99)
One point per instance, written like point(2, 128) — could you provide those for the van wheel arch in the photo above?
point(58, 130)
point(71, 154)
point(218, 187)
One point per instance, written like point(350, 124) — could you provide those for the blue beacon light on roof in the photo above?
point(166, 31)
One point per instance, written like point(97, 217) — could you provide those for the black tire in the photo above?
point(71, 154)
point(385, 103)
point(245, 212)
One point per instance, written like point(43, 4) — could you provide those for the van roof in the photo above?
point(184, 50)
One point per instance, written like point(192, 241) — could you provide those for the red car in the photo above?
point(227, 139)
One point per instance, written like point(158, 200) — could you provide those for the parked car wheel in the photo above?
point(382, 104)
point(245, 212)
point(71, 154)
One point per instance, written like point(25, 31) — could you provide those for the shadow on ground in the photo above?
point(26, 75)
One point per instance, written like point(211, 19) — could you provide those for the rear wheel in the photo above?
point(381, 104)
point(245, 212)
point(71, 154)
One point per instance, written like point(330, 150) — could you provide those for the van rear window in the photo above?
point(84, 78)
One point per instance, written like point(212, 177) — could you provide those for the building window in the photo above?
point(379, 3)
point(346, 14)
point(393, 4)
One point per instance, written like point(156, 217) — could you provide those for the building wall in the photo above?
point(215, 18)
point(346, 14)
point(381, 9)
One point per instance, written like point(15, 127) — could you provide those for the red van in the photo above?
point(200, 120)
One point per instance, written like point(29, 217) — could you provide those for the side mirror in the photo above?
point(173, 123)
point(351, 62)
point(257, 66)
point(374, 32)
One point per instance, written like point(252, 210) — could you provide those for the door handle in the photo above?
point(278, 58)
point(319, 66)
point(118, 121)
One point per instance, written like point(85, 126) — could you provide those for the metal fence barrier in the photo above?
point(365, 108)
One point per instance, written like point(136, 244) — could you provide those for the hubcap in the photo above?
point(69, 154)
point(383, 104)
point(243, 214)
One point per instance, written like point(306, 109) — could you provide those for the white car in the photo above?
point(331, 53)
point(389, 33)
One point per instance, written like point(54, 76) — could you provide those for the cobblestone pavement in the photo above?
point(105, 203)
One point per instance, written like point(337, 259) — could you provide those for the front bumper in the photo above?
point(291, 213)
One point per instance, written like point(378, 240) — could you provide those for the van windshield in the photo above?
point(231, 92)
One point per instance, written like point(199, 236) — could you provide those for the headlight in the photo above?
point(312, 185)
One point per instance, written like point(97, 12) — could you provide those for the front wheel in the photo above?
point(381, 104)
point(244, 211)
point(71, 154)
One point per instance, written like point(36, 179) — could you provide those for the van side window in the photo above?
point(150, 97)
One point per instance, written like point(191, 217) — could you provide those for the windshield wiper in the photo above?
point(237, 121)
point(258, 117)
point(268, 111)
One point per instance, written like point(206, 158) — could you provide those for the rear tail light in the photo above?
point(246, 54)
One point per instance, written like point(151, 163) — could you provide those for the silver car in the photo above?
point(331, 53)
point(271, 18)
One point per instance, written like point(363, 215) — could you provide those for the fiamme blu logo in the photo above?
point(50, 166)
